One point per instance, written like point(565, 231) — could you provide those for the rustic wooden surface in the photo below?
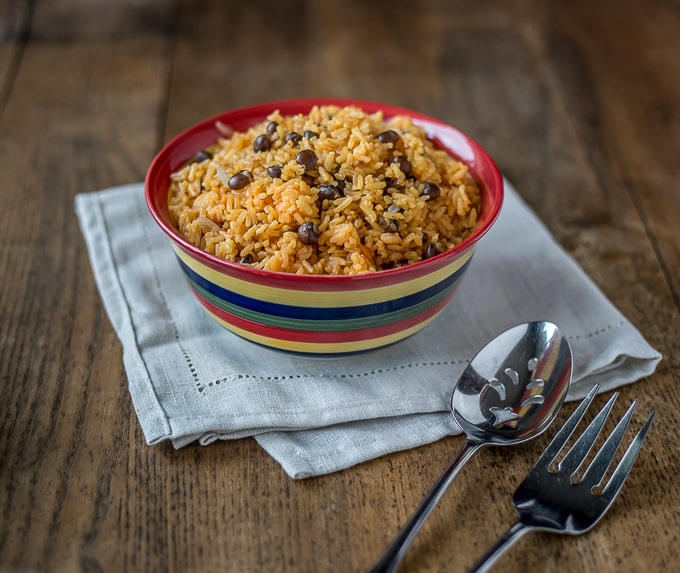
point(577, 101)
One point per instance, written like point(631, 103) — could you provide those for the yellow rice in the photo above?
point(380, 220)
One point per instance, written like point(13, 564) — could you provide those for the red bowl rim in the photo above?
point(258, 112)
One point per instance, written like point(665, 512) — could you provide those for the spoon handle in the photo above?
point(508, 538)
point(394, 554)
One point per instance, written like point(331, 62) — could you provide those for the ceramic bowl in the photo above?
point(311, 314)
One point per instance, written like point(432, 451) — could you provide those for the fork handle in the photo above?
point(508, 538)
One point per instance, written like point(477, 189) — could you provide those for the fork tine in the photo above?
point(562, 437)
point(578, 452)
point(625, 465)
point(600, 464)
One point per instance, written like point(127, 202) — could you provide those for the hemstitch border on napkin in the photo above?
point(227, 379)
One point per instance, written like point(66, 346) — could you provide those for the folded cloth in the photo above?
point(191, 380)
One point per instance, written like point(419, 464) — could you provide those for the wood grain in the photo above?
point(578, 103)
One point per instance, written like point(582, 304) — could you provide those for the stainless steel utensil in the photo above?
point(550, 500)
point(509, 393)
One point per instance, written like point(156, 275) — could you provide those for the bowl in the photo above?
point(322, 314)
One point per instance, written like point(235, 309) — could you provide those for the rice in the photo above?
point(338, 191)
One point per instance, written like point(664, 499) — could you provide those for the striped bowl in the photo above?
point(322, 314)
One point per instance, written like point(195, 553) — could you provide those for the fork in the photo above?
point(557, 501)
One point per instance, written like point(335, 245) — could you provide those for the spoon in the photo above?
point(509, 393)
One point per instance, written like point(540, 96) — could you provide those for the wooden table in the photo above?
point(577, 101)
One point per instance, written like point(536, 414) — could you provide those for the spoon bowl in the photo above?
point(513, 388)
point(509, 393)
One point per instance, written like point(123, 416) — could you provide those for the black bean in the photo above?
point(262, 142)
point(293, 137)
point(329, 192)
point(307, 158)
point(274, 171)
point(403, 163)
point(239, 180)
point(341, 184)
point(392, 183)
point(431, 251)
point(309, 233)
point(431, 190)
point(199, 157)
point(247, 259)
point(271, 127)
point(389, 225)
point(309, 179)
point(389, 136)
point(309, 134)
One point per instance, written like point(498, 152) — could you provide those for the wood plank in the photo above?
point(14, 22)
point(79, 116)
point(628, 116)
point(63, 21)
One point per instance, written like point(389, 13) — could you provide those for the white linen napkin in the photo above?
point(191, 380)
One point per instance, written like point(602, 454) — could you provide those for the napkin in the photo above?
point(193, 381)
